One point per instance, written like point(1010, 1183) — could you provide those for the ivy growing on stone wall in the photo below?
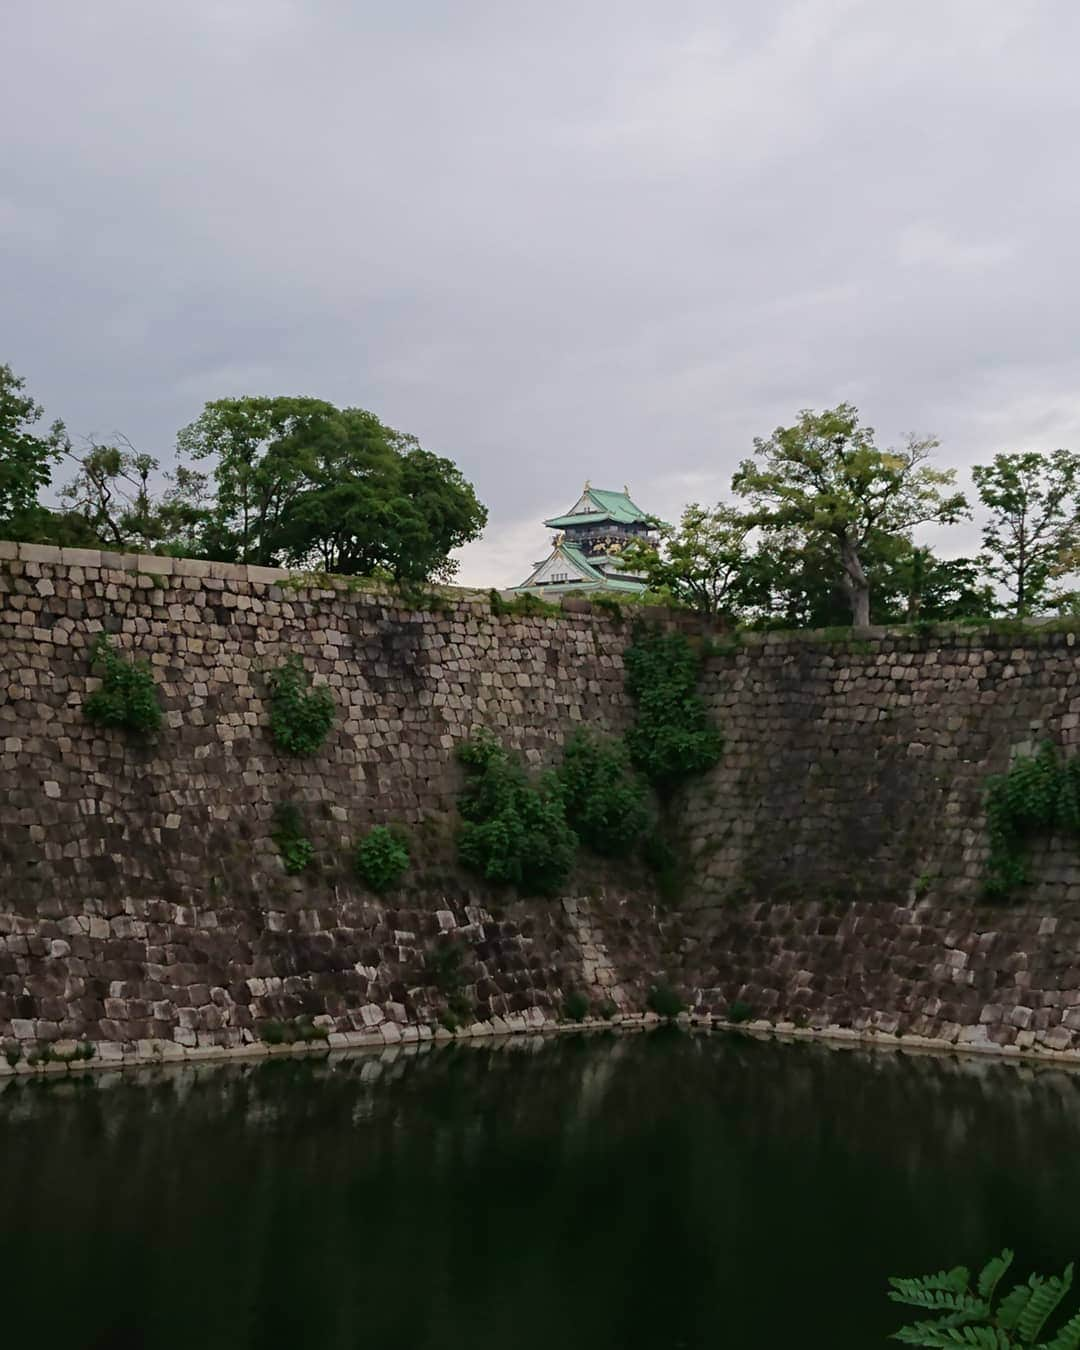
point(1039, 794)
point(514, 830)
point(603, 798)
point(300, 716)
point(381, 858)
point(127, 697)
point(671, 739)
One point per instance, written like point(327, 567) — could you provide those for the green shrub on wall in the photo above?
point(604, 800)
point(671, 738)
point(297, 851)
point(444, 967)
point(1039, 794)
point(127, 697)
point(514, 831)
point(300, 716)
point(664, 1001)
point(666, 863)
point(381, 858)
point(290, 1030)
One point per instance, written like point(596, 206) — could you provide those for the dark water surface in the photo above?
point(659, 1191)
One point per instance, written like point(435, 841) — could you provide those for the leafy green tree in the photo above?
point(825, 481)
point(1033, 534)
point(26, 454)
point(259, 459)
point(373, 500)
point(112, 502)
point(917, 585)
point(297, 480)
point(788, 583)
point(701, 563)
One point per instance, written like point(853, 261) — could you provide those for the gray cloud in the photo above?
point(613, 240)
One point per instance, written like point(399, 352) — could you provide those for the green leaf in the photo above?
point(1046, 1293)
point(943, 1298)
point(1012, 1306)
point(917, 1332)
point(1068, 1338)
point(956, 1280)
point(992, 1272)
point(983, 1338)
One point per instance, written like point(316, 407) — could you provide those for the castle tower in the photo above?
point(586, 548)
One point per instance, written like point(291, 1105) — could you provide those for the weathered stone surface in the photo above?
point(838, 847)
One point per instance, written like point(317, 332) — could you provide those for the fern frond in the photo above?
point(977, 1338)
point(1068, 1338)
point(1046, 1293)
point(1012, 1306)
point(956, 1280)
point(984, 1338)
point(935, 1299)
point(992, 1272)
point(918, 1332)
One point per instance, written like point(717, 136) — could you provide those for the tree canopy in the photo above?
point(788, 585)
point(824, 480)
point(1032, 537)
point(827, 534)
point(701, 563)
point(27, 455)
point(299, 481)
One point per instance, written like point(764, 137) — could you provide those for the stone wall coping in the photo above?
point(300, 579)
point(748, 638)
point(193, 569)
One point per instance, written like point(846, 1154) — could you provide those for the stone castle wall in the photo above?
point(141, 895)
point(838, 846)
point(841, 840)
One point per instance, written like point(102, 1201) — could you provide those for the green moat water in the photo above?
point(658, 1191)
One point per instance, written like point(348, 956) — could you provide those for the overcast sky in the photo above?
point(612, 239)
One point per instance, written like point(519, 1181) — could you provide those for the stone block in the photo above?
point(265, 575)
point(39, 553)
point(191, 567)
point(152, 565)
point(221, 571)
point(80, 557)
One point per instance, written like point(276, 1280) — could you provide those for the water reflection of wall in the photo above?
point(650, 1190)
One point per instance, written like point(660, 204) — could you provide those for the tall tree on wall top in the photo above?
point(791, 581)
point(296, 480)
point(702, 562)
point(1032, 538)
point(825, 480)
point(27, 455)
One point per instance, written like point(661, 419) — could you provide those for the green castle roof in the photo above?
point(592, 575)
point(615, 506)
